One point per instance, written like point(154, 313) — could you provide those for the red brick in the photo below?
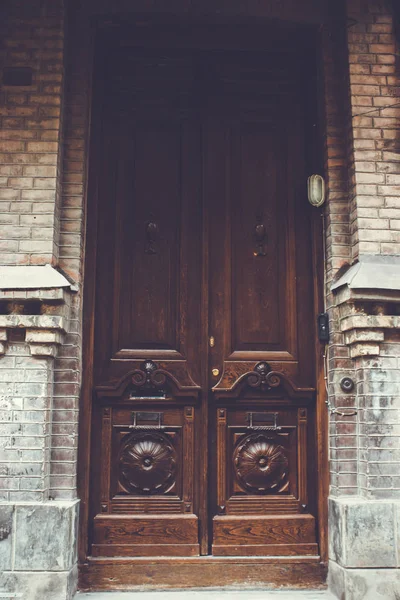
point(11, 146)
point(382, 48)
point(42, 147)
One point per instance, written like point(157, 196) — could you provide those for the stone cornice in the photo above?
point(367, 295)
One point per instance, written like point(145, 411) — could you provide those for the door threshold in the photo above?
point(274, 572)
point(202, 559)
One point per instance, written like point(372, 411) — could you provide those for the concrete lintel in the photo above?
point(32, 322)
point(33, 277)
point(378, 273)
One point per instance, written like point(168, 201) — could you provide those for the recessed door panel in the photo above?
point(258, 237)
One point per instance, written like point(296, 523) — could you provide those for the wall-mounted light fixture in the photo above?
point(316, 190)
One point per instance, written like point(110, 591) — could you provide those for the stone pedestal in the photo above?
point(364, 549)
point(38, 550)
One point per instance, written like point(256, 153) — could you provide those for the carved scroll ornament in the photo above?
point(263, 377)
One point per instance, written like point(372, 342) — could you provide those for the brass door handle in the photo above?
point(215, 372)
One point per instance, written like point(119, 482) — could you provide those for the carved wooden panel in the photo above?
point(147, 457)
point(262, 470)
point(261, 461)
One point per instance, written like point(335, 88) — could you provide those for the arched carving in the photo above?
point(147, 463)
point(260, 464)
point(151, 378)
point(263, 377)
point(240, 378)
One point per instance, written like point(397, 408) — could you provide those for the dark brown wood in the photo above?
point(276, 535)
point(153, 535)
point(203, 572)
point(283, 12)
point(203, 264)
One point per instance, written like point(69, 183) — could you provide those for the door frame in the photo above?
point(85, 408)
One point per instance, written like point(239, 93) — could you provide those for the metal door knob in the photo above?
point(215, 372)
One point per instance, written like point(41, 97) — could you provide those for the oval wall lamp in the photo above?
point(316, 190)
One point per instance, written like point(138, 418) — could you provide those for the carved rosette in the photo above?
point(147, 463)
point(260, 464)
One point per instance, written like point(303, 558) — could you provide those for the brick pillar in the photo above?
point(364, 506)
point(38, 534)
point(374, 82)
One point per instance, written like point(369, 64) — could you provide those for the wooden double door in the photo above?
point(203, 408)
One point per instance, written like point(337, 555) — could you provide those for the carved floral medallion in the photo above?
point(260, 464)
point(147, 463)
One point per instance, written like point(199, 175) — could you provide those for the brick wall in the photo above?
point(30, 130)
point(375, 105)
point(336, 125)
point(362, 159)
point(25, 404)
point(67, 374)
point(378, 389)
point(30, 176)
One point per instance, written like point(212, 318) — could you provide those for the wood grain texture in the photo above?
point(117, 550)
point(279, 529)
point(151, 530)
point(202, 572)
point(265, 550)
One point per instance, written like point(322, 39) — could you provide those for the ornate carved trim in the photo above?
point(263, 377)
point(150, 377)
point(260, 376)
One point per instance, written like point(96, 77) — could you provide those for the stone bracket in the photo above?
point(45, 332)
point(364, 333)
point(365, 295)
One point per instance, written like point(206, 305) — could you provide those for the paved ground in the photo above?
point(209, 595)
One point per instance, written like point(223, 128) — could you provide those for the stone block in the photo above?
point(44, 350)
point(364, 349)
point(336, 580)
point(6, 532)
point(364, 584)
point(335, 530)
point(369, 533)
point(43, 336)
point(364, 335)
point(397, 529)
point(362, 533)
point(45, 537)
point(40, 586)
